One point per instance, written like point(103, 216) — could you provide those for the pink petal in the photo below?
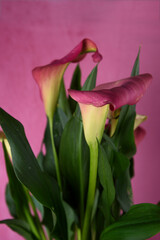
point(126, 91)
point(139, 134)
point(49, 77)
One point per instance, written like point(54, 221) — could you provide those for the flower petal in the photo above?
point(126, 91)
point(139, 134)
point(49, 77)
point(139, 119)
point(94, 120)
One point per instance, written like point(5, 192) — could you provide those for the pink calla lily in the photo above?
point(49, 77)
point(114, 94)
point(139, 134)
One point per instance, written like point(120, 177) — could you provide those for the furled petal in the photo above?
point(49, 77)
point(139, 134)
point(126, 91)
point(94, 120)
point(116, 94)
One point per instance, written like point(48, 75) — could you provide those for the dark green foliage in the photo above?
point(75, 84)
point(140, 223)
point(27, 170)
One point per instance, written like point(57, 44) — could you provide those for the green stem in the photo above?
point(31, 223)
point(41, 232)
point(81, 184)
point(40, 229)
point(78, 234)
point(55, 154)
point(91, 189)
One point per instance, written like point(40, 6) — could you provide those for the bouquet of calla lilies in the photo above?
point(79, 186)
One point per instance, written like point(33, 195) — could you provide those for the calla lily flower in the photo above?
point(4, 139)
point(93, 104)
point(49, 77)
point(139, 119)
point(139, 134)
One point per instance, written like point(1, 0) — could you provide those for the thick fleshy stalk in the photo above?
point(55, 154)
point(91, 189)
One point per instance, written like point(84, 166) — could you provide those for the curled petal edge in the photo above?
point(49, 77)
point(116, 94)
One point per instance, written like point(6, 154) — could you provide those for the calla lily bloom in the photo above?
point(49, 77)
point(139, 134)
point(114, 94)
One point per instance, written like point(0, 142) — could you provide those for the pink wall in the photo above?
point(35, 32)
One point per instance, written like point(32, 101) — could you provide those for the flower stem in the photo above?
point(31, 223)
point(55, 154)
point(81, 188)
point(40, 228)
point(78, 234)
point(38, 223)
point(91, 189)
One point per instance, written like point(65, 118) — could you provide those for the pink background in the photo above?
point(35, 32)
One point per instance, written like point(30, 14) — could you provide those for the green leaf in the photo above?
point(71, 219)
point(73, 163)
point(141, 222)
point(46, 159)
point(24, 161)
point(38, 205)
point(75, 84)
point(76, 79)
point(21, 227)
point(131, 169)
point(124, 134)
point(60, 120)
point(99, 222)
point(63, 101)
point(124, 190)
point(120, 167)
point(89, 84)
point(28, 171)
point(16, 192)
point(106, 180)
point(49, 219)
point(10, 202)
point(135, 70)
point(121, 163)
